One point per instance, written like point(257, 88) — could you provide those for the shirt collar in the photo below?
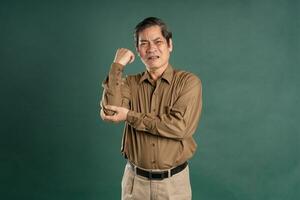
point(167, 75)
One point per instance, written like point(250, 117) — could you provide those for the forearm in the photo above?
point(157, 124)
point(174, 125)
point(112, 88)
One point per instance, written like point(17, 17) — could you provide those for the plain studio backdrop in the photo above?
point(55, 54)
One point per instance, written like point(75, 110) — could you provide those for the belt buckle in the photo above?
point(157, 175)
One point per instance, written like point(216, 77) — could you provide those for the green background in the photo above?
point(55, 54)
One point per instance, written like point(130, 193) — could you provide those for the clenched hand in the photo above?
point(124, 56)
point(120, 114)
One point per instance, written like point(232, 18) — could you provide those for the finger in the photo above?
point(103, 115)
point(106, 117)
point(132, 58)
point(109, 118)
point(113, 108)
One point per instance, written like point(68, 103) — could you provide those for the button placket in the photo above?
point(153, 102)
point(154, 97)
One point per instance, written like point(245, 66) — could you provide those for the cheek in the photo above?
point(140, 50)
point(143, 54)
point(166, 52)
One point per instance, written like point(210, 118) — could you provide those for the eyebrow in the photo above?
point(143, 41)
point(158, 38)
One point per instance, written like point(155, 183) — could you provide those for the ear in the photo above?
point(170, 45)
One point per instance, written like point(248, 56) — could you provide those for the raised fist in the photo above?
point(124, 56)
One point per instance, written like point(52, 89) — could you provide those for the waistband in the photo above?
point(157, 175)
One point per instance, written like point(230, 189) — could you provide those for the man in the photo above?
point(161, 109)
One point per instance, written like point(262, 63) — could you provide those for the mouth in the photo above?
point(153, 57)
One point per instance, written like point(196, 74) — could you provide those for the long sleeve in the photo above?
point(180, 120)
point(116, 91)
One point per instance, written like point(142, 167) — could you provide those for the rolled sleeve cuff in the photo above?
point(116, 68)
point(141, 122)
point(131, 117)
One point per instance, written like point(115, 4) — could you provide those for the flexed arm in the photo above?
point(113, 85)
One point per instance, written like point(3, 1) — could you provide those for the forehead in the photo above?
point(150, 33)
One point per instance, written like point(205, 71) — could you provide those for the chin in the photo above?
point(153, 67)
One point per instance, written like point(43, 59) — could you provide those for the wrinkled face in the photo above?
point(153, 48)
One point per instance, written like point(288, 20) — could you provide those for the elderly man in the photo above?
point(161, 109)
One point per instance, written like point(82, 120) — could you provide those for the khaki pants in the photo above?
point(137, 187)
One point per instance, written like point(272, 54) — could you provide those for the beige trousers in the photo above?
point(136, 187)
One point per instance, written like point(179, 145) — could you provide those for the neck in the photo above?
point(155, 73)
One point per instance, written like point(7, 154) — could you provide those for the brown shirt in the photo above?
point(163, 115)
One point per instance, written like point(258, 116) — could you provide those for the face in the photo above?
point(153, 48)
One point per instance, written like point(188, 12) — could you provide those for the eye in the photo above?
point(143, 44)
point(158, 42)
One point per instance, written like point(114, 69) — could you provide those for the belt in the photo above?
point(158, 175)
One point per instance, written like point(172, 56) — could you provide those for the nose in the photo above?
point(151, 48)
